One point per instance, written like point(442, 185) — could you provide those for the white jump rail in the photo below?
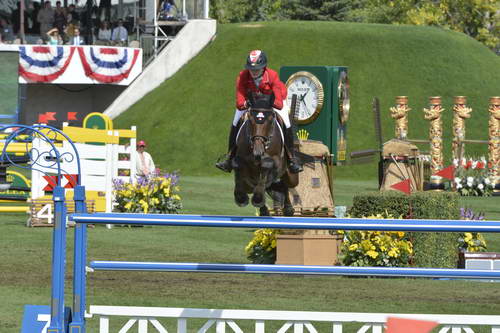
point(295, 321)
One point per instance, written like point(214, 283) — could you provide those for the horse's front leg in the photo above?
point(258, 198)
point(240, 195)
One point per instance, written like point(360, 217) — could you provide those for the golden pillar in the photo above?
point(460, 113)
point(400, 114)
point(433, 114)
point(494, 141)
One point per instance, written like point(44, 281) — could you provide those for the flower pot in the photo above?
point(311, 247)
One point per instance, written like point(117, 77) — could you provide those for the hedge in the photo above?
point(431, 249)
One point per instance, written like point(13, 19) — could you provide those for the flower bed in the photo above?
point(471, 177)
point(158, 194)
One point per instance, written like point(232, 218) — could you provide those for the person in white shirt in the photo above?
point(145, 166)
point(119, 34)
point(76, 39)
point(104, 33)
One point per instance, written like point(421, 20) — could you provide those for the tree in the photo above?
point(479, 19)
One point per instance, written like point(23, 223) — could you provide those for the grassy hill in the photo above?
point(186, 119)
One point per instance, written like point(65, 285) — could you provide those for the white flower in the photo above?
point(483, 159)
point(458, 180)
point(459, 186)
point(470, 179)
point(464, 161)
point(455, 162)
point(480, 186)
point(487, 181)
point(474, 164)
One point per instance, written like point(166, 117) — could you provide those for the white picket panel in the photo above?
point(298, 321)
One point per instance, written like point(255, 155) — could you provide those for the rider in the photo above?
point(254, 80)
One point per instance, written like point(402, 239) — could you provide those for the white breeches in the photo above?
point(283, 114)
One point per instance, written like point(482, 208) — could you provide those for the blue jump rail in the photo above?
point(293, 269)
point(288, 222)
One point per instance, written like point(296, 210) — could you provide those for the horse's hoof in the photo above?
point(288, 211)
point(241, 200)
point(263, 211)
point(258, 201)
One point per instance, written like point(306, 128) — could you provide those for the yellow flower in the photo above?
point(353, 247)
point(373, 254)
point(128, 205)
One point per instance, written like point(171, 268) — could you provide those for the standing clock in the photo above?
point(310, 94)
point(322, 104)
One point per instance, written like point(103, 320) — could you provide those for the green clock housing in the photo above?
point(322, 104)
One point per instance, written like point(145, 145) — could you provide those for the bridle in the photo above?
point(265, 139)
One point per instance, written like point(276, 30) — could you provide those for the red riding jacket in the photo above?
point(270, 84)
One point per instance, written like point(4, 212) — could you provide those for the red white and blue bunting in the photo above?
point(43, 63)
point(106, 64)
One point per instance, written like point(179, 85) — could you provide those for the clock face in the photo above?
point(309, 96)
point(344, 100)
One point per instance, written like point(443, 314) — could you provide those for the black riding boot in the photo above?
point(293, 164)
point(226, 165)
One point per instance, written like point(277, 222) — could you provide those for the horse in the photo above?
point(261, 161)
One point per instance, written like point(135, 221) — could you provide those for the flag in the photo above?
point(400, 325)
point(403, 186)
point(446, 172)
point(42, 118)
point(72, 116)
point(50, 115)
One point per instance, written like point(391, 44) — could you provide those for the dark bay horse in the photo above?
point(262, 164)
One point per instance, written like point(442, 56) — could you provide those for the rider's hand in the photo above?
point(248, 104)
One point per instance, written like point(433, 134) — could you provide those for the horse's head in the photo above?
point(262, 122)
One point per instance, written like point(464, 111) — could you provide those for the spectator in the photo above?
point(105, 5)
point(46, 19)
point(74, 14)
point(53, 37)
point(60, 18)
point(15, 18)
point(70, 30)
point(6, 31)
point(76, 39)
point(167, 10)
point(104, 33)
point(119, 34)
point(145, 166)
point(35, 28)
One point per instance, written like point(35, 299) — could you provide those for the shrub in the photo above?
point(262, 248)
point(158, 194)
point(431, 249)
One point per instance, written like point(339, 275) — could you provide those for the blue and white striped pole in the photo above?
point(289, 222)
point(294, 269)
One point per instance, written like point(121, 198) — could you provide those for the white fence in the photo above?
point(142, 318)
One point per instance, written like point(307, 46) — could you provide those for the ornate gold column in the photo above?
point(400, 114)
point(433, 114)
point(460, 113)
point(494, 141)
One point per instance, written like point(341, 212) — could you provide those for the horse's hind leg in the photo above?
point(263, 211)
point(288, 209)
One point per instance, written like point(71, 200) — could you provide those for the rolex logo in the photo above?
point(302, 134)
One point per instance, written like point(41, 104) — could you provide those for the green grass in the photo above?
point(186, 119)
point(8, 82)
point(25, 268)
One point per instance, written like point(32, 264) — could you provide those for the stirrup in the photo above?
point(224, 165)
point(294, 166)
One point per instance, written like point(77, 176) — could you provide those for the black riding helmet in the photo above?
point(257, 59)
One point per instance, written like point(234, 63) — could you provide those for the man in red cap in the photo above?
point(259, 80)
point(145, 166)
